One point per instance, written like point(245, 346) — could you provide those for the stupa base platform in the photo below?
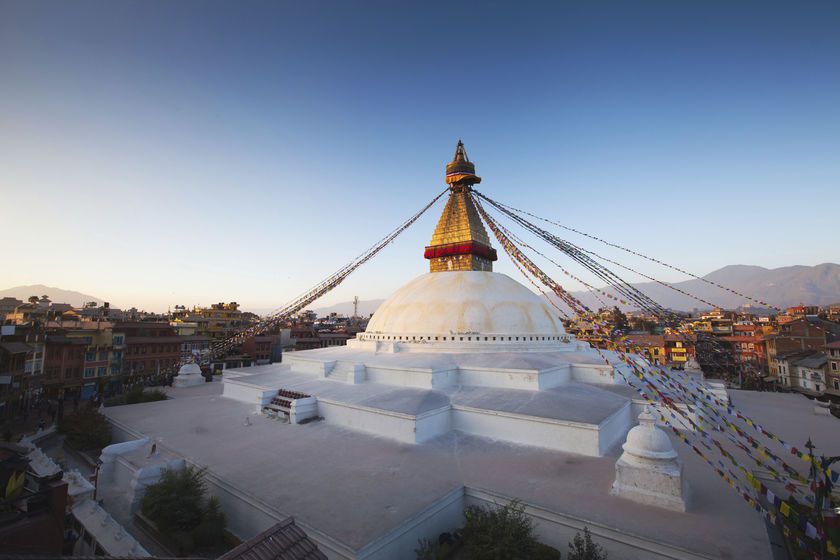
point(363, 497)
point(573, 417)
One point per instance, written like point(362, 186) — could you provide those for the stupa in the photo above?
point(189, 375)
point(650, 471)
point(460, 347)
point(464, 390)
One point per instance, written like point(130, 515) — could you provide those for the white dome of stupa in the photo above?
point(190, 369)
point(466, 308)
point(647, 441)
point(188, 376)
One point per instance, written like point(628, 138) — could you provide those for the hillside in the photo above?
point(57, 295)
point(782, 287)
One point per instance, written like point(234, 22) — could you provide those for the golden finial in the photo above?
point(461, 171)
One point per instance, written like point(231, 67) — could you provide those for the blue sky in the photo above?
point(155, 153)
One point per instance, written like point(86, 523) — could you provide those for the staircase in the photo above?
point(346, 372)
point(282, 403)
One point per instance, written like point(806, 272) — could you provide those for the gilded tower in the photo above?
point(460, 241)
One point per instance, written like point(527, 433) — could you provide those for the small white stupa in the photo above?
point(649, 471)
point(693, 368)
point(188, 376)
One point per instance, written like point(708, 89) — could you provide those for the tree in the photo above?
point(641, 324)
point(175, 502)
point(583, 548)
point(619, 319)
point(33, 299)
point(504, 532)
point(178, 506)
point(211, 530)
point(86, 429)
point(138, 395)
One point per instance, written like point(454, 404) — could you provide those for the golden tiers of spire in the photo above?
point(460, 241)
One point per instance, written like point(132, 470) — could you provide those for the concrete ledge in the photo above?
point(562, 435)
point(557, 529)
point(444, 515)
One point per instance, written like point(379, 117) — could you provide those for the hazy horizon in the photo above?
point(323, 303)
point(195, 152)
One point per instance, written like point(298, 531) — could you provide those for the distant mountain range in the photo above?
point(56, 295)
point(781, 287)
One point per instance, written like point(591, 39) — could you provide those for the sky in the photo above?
point(159, 153)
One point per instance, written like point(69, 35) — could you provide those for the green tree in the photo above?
point(504, 532)
point(175, 502)
point(138, 395)
point(211, 530)
point(619, 319)
point(583, 548)
point(86, 429)
point(640, 324)
point(177, 505)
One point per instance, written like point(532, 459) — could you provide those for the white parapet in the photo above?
point(303, 409)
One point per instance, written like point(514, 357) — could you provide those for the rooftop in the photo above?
point(284, 541)
point(814, 361)
point(15, 347)
point(384, 483)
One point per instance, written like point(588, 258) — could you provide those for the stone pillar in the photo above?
point(649, 471)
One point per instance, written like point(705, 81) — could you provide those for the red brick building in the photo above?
point(64, 362)
point(12, 367)
point(305, 337)
point(807, 333)
point(262, 349)
point(747, 345)
point(150, 349)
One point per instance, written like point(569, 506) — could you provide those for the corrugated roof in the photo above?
point(814, 361)
point(15, 347)
point(284, 541)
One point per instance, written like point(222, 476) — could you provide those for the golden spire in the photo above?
point(460, 241)
point(461, 170)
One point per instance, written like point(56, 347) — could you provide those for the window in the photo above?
point(101, 371)
point(88, 372)
point(118, 340)
point(833, 366)
point(103, 356)
point(837, 384)
point(90, 356)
